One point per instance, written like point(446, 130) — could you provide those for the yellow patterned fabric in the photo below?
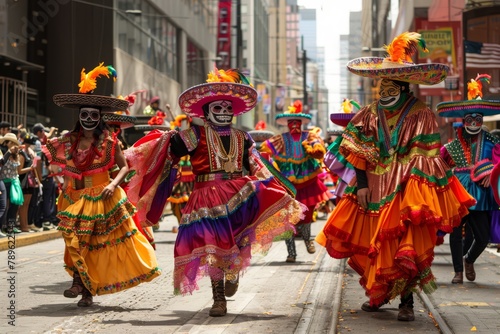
point(101, 241)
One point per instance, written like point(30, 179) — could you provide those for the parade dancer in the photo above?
point(387, 220)
point(472, 155)
point(297, 154)
point(103, 251)
point(237, 205)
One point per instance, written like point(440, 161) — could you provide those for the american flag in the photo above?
point(482, 55)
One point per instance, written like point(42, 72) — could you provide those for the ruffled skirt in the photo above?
point(392, 249)
point(224, 222)
point(102, 242)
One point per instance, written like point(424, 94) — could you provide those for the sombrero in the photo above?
point(121, 120)
point(343, 118)
point(230, 85)
point(260, 136)
point(294, 112)
point(474, 105)
point(398, 65)
point(87, 86)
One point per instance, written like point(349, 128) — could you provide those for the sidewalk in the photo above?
point(472, 307)
point(24, 239)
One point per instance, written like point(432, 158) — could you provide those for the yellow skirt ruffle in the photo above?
point(102, 242)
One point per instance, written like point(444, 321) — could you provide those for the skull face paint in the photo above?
point(89, 118)
point(294, 125)
point(473, 123)
point(390, 93)
point(220, 112)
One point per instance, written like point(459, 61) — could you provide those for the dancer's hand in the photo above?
point(363, 197)
point(108, 191)
point(486, 182)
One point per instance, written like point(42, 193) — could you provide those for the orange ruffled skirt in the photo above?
point(102, 242)
point(392, 249)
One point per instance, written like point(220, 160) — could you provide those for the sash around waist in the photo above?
point(217, 176)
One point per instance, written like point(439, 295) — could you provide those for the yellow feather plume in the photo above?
point(404, 46)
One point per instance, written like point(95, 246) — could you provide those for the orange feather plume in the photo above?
point(404, 46)
point(230, 75)
point(475, 86)
point(88, 80)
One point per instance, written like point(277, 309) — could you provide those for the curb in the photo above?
point(441, 323)
point(25, 239)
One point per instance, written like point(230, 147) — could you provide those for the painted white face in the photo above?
point(473, 123)
point(89, 118)
point(220, 113)
point(390, 93)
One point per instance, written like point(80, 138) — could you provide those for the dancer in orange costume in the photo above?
point(387, 220)
point(103, 251)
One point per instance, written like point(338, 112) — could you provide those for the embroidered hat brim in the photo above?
point(461, 108)
point(282, 119)
point(376, 67)
point(123, 121)
point(341, 119)
point(243, 97)
point(76, 101)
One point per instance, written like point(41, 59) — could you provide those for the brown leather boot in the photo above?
point(86, 300)
point(310, 247)
point(406, 313)
point(470, 273)
point(458, 278)
point(219, 308)
point(76, 288)
point(230, 288)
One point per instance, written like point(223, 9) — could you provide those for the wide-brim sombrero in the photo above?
point(243, 97)
point(76, 101)
point(282, 119)
point(377, 67)
point(341, 118)
point(123, 121)
point(461, 108)
point(260, 136)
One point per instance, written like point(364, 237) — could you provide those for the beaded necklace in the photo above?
point(228, 159)
point(467, 143)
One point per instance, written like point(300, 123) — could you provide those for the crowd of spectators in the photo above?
point(29, 186)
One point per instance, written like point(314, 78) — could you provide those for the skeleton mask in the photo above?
point(390, 93)
point(294, 125)
point(220, 113)
point(89, 118)
point(473, 123)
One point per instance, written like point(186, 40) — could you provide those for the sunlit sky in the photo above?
point(333, 21)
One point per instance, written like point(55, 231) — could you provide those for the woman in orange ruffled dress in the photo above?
point(104, 252)
point(387, 220)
